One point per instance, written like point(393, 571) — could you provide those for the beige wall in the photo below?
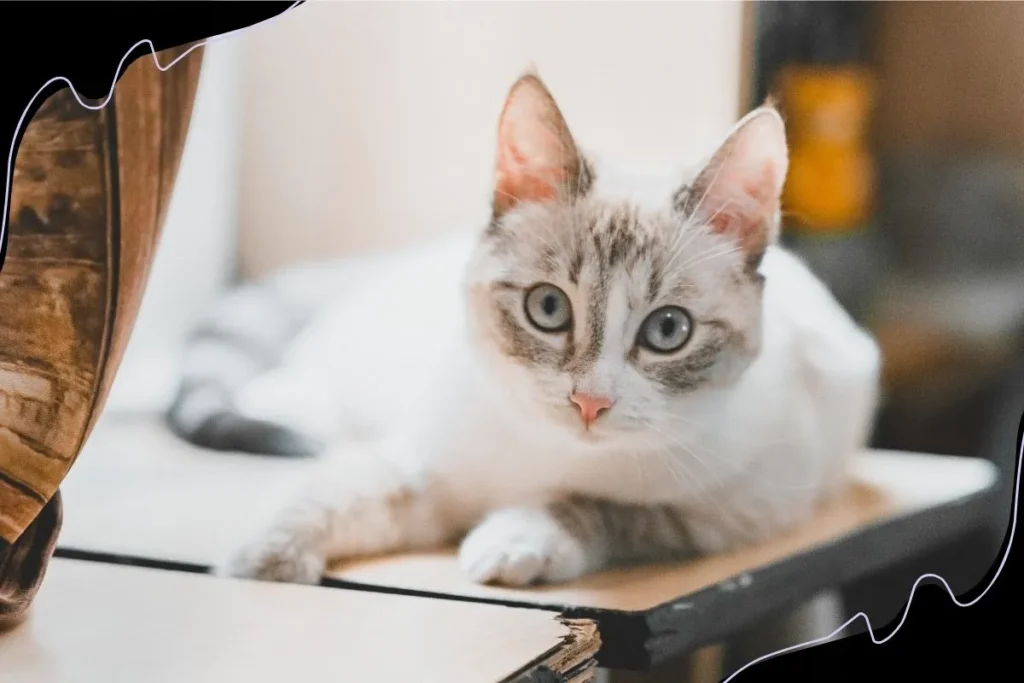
point(368, 124)
point(951, 76)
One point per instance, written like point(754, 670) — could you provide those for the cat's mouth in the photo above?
point(607, 429)
point(598, 432)
point(605, 432)
point(597, 441)
point(589, 435)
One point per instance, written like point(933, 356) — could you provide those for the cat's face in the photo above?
point(601, 314)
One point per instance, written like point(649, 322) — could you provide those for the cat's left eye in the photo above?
point(666, 330)
point(548, 308)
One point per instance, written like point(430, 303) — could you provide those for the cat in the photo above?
point(612, 370)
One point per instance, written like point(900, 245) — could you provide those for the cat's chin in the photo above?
point(591, 438)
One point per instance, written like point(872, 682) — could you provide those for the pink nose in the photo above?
point(590, 407)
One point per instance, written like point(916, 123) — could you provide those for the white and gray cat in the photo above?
point(611, 371)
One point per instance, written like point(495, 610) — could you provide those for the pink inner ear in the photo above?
point(514, 188)
point(536, 155)
point(739, 202)
point(739, 205)
point(527, 179)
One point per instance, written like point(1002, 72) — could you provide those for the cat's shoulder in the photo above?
point(798, 302)
point(793, 291)
point(787, 275)
point(782, 262)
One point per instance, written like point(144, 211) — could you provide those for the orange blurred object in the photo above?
point(830, 186)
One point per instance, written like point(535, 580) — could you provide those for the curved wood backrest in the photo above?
point(89, 194)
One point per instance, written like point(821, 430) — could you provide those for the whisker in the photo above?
point(709, 256)
point(733, 467)
point(701, 490)
point(707, 190)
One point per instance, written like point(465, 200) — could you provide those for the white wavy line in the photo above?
point(791, 648)
point(9, 185)
point(913, 590)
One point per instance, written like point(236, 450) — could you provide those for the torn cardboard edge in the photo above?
point(574, 661)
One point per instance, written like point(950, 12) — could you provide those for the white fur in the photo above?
point(455, 440)
point(393, 360)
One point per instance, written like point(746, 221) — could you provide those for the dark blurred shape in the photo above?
point(812, 59)
point(950, 78)
point(933, 260)
point(825, 33)
point(955, 216)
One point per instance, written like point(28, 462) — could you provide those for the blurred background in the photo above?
point(906, 194)
point(348, 127)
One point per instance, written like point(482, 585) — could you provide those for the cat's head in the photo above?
point(602, 312)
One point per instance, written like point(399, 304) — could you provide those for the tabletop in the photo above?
point(140, 495)
point(94, 622)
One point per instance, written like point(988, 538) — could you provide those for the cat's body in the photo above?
point(565, 430)
point(352, 375)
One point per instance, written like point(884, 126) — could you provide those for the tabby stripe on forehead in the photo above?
point(591, 344)
point(617, 240)
point(599, 249)
point(595, 323)
point(654, 282)
point(622, 238)
point(576, 266)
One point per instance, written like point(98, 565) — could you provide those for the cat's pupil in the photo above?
point(668, 326)
point(549, 304)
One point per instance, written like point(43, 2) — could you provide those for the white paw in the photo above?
point(519, 548)
point(278, 559)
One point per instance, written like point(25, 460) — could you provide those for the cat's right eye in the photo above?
point(548, 308)
point(666, 330)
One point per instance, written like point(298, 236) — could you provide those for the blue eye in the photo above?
point(548, 308)
point(666, 330)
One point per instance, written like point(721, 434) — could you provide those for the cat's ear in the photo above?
point(738, 193)
point(537, 159)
